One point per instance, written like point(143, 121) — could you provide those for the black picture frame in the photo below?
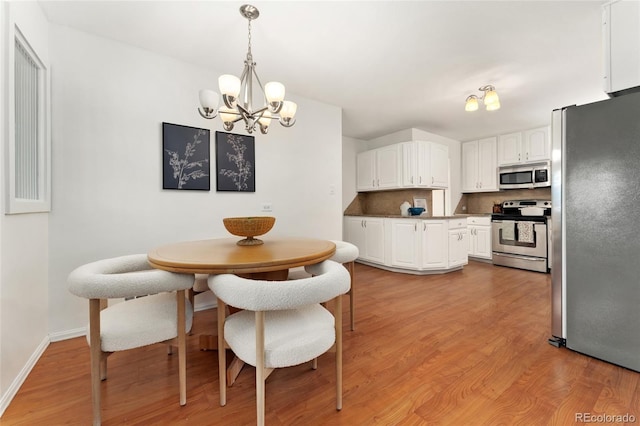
point(185, 157)
point(235, 162)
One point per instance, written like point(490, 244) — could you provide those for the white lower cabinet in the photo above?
point(458, 243)
point(479, 237)
point(435, 253)
point(405, 242)
point(412, 245)
point(366, 233)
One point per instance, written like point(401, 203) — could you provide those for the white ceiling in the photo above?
point(390, 65)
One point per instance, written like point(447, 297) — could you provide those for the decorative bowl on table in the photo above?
point(249, 227)
point(416, 211)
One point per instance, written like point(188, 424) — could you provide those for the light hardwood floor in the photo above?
point(465, 348)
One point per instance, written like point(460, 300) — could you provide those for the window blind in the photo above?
point(27, 88)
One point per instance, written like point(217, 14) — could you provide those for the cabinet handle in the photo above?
point(518, 157)
point(415, 227)
point(365, 223)
point(378, 182)
point(424, 226)
point(480, 184)
point(362, 223)
point(432, 180)
point(411, 179)
point(527, 155)
point(420, 179)
point(373, 182)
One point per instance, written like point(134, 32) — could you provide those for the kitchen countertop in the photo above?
point(397, 216)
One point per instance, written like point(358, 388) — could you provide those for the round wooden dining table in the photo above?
point(271, 260)
point(268, 261)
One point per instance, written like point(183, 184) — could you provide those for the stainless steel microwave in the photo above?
point(536, 175)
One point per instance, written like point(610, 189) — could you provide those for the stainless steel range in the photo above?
point(520, 235)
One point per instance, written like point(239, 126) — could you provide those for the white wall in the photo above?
point(24, 237)
point(350, 149)
point(109, 101)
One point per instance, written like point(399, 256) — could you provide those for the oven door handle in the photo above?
point(515, 256)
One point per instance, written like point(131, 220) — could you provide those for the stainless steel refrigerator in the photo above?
point(596, 229)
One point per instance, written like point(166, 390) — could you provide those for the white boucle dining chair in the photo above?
point(346, 253)
point(161, 315)
point(283, 323)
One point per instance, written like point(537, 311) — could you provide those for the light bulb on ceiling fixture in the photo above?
point(489, 98)
point(472, 103)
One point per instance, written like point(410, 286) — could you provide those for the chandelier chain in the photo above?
point(249, 54)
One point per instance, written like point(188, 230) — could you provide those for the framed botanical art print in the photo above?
point(235, 162)
point(185, 160)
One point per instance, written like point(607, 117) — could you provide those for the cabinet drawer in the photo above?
point(457, 223)
point(479, 220)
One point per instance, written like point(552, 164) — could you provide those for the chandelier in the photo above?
point(489, 96)
point(237, 95)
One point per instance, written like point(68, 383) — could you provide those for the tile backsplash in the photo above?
point(386, 202)
point(482, 202)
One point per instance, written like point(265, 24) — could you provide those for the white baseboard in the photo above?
point(58, 336)
point(67, 334)
point(13, 389)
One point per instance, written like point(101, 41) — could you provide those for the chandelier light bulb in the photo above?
point(491, 97)
point(228, 115)
point(471, 104)
point(265, 120)
point(274, 91)
point(494, 106)
point(209, 99)
point(288, 110)
point(229, 85)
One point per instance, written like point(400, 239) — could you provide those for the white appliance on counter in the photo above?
point(519, 235)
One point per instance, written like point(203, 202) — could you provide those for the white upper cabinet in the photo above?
point(529, 146)
point(425, 165)
point(417, 164)
point(621, 40)
point(509, 149)
point(439, 158)
point(479, 165)
point(366, 171)
point(387, 167)
point(537, 145)
point(378, 169)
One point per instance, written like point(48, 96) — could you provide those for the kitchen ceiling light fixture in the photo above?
point(232, 87)
point(489, 96)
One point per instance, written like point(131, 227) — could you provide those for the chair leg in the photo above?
point(351, 269)
point(314, 363)
point(222, 354)
point(260, 376)
point(96, 357)
point(192, 297)
point(182, 346)
point(338, 322)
